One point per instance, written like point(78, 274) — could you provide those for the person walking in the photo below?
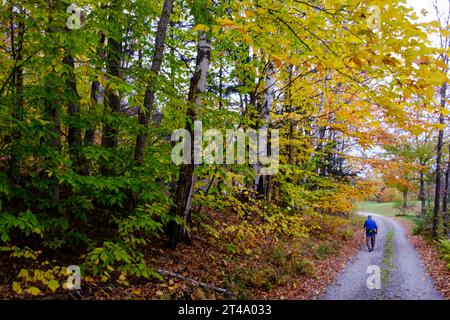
point(371, 232)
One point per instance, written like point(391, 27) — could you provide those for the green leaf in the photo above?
point(53, 285)
point(23, 273)
point(34, 291)
point(16, 287)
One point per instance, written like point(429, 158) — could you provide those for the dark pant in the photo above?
point(370, 241)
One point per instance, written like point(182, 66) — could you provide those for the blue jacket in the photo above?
point(370, 226)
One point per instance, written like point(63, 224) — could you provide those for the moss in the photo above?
point(387, 257)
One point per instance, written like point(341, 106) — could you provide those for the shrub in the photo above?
point(264, 278)
point(418, 228)
point(302, 266)
point(445, 251)
point(324, 250)
point(239, 281)
point(279, 256)
point(347, 234)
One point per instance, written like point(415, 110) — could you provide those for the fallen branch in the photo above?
point(198, 283)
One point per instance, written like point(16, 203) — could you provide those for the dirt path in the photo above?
point(402, 274)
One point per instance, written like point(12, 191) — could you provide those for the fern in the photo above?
point(445, 251)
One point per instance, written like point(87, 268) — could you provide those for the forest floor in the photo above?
point(403, 275)
point(217, 266)
point(429, 256)
point(281, 269)
point(329, 263)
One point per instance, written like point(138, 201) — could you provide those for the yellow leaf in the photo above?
point(442, 64)
point(226, 22)
point(34, 291)
point(320, 67)
point(271, 28)
point(23, 274)
point(16, 287)
point(136, 292)
point(424, 60)
point(53, 285)
point(357, 61)
point(278, 60)
point(201, 27)
point(445, 33)
point(249, 13)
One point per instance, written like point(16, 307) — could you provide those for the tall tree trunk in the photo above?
point(262, 181)
point(112, 103)
point(429, 192)
point(319, 130)
point(290, 109)
point(405, 200)
point(422, 195)
point(18, 112)
point(221, 85)
point(52, 102)
point(437, 193)
point(149, 97)
point(186, 182)
point(96, 98)
point(445, 196)
point(73, 110)
point(109, 136)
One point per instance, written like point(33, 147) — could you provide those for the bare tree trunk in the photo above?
point(186, 182)
point(422, 195)
point(149, 97)
point(112, 103)
point(405, 200)
point(291, 109)
point(437, 193)
point(18, 112)
point(52, 103)
point(443, 19)
point(90, 132)
point(445, 196)
point(73, 110)
point(319, 130)
point(262, 181)
point(429, 191)
point(109, 135)
point(97, 97)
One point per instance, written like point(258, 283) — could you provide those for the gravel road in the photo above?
point(403, 276)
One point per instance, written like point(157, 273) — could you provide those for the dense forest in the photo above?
point(200, 148)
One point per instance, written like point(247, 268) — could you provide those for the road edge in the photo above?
point(429, 257)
